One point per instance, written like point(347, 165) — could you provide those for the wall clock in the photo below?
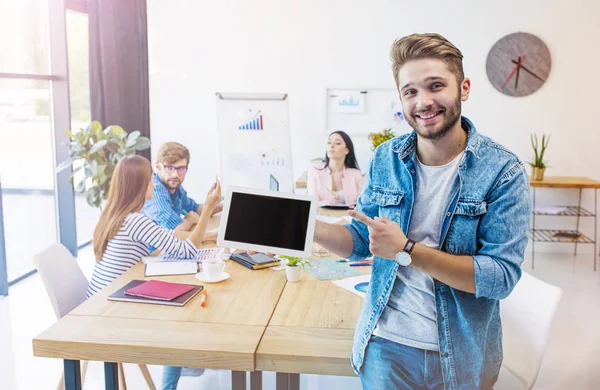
point(518, 64)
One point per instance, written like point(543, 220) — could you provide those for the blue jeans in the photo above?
point(171, 376)
point(389, 365)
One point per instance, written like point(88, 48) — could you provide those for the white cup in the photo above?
point(212, 268)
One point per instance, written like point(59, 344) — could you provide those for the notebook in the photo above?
point(257, 261)
point(179, 301)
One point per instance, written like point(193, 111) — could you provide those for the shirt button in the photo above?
point(448, 214)
point(412, 170)
point(445, 354)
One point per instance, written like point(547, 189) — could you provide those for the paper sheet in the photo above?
point(357, 285)
point(171, 268)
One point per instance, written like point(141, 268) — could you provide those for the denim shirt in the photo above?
point(487, 217)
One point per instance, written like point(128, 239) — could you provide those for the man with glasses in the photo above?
point(169, 200)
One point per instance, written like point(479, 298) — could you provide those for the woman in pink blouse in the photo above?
point(339, 179)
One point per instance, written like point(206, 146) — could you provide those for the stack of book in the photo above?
point(156, 292)
point(257, 261)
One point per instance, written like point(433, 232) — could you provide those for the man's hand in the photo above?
point(385, 236)
point(191, 218)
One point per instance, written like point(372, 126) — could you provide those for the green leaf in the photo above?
point(80, 187)
point(117, 131)
point(76, 171)
point(132, 138)
point(69, 134)
point(98, 146)
point(66, 164)
point(142, 143)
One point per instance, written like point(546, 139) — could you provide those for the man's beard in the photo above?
point(172, 186)
point(451, 116)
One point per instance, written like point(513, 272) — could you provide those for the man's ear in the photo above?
point(465, 89)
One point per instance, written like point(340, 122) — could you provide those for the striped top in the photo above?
point(130, 244)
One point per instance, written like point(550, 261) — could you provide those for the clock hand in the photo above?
point(528, 71)
point(517, 78)
point(513, 72)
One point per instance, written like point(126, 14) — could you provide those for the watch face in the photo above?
point(403, 258)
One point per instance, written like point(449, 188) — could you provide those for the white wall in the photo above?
point(303, 47)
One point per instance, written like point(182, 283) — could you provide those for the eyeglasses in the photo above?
point(180, 170)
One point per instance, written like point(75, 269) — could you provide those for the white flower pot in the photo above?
point(292, 273)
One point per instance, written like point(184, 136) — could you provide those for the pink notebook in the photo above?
point(157, 289)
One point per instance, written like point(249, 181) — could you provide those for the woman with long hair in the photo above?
point(123, 235)
point(339, 179)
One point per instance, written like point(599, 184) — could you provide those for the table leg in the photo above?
point(238, 380)
point(578, 216)
point(72, 375)
point(285, 381)
point(256, 380)
point(111, 376)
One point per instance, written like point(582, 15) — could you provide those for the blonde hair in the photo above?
point(418, 46)
point(171, 152)
point(127, 194)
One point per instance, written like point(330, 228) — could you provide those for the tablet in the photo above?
point(268, 221)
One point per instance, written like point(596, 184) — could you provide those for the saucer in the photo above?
point(200, 276)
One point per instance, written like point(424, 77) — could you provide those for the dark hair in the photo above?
point(350, 161)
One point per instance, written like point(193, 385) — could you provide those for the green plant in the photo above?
point(94, 153)
point(539, 150)
point(379, 138)
point(294, 261)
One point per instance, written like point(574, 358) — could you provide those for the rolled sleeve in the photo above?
point(503, 236)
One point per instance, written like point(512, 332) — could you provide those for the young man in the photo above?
point(445, 211)
point(170, 200)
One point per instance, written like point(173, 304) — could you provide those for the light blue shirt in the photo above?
point(164, 208)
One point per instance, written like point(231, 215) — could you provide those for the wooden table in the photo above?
point(564, 182)
point(254, 321)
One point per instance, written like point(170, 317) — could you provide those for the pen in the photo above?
point(343, 260)
point(361, 265)
point(184, 212)
point(203, 298)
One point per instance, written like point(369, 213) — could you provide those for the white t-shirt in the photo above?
point(410, 316)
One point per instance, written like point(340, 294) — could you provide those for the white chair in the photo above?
point(66, 286)
point(527, 315)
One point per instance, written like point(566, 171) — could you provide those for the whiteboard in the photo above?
point(360, 111)
point(254, 140)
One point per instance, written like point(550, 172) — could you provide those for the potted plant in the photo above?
point(379, 138)
point(94, 153)
point(538, 165)
point(293, 266)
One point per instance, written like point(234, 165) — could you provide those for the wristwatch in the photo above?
point(403, 257)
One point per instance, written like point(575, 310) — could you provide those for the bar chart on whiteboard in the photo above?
point(254, 141)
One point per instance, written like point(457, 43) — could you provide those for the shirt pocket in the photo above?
point(389, 202)
point(462, 234)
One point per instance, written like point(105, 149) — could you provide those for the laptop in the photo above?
point(268, 221)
